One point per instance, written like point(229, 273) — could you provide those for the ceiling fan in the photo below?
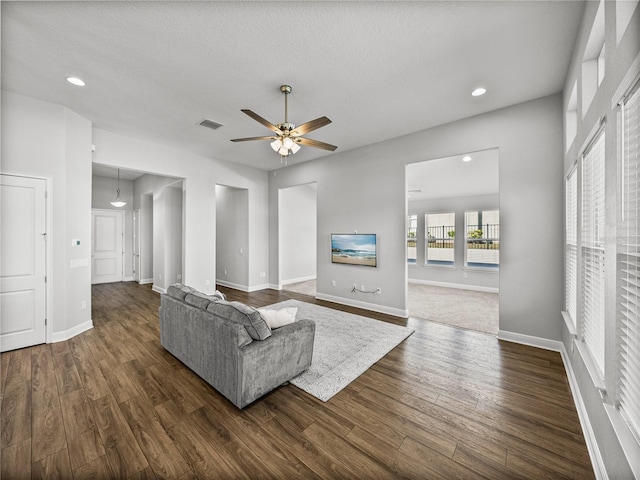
point(288, 137)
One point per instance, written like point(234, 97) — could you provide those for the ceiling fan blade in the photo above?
point(310, 126)
point(315, 143)
point(261, 120)
point(252, 138)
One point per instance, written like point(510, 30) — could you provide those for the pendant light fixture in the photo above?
point(117, 202)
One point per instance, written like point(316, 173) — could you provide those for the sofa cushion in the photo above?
point(279, 318)
point(200, 300)
point(179, 291)
point(243, 314)
point(197, 299)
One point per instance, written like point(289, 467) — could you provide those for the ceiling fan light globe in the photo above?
point(295, 147)
point(276, 144)
point(284, 151)
point(287, 142)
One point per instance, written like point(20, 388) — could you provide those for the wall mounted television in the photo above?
point(354, 249)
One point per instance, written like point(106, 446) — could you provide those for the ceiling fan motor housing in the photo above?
point(286, 127)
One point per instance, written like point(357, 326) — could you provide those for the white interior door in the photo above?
point(106, 246)
point(23, 262)
point(136, 246)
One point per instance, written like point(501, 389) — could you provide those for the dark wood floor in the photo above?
point(446, 403)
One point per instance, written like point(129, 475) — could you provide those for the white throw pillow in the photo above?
point(278, 318)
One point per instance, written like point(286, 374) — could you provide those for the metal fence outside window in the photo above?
point(486, 236)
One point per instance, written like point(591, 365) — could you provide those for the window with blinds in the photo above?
point(571, 246)
point(593, 233)
point(628, 298)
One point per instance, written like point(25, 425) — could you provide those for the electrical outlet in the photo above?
point(355, 287)
point(362, 287)
point(83, 305)
point(379, 291)
point(207, 282)
point(333, 283)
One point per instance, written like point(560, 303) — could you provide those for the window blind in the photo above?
point(571, 246)
point(593, 225)
point(628, 298)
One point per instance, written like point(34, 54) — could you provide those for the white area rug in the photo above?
point(345, 346)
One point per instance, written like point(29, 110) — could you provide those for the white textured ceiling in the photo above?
point(110, 172)
point(378, 70)
point(452, 177)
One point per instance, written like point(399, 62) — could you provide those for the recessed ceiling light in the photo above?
point(75, 81)
point(479, 91)
point(466, 158)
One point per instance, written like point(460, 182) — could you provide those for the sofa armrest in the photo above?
point(266, 364)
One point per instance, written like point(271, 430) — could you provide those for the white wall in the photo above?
point(103, 192)
point(457, 275)
point(200, 174)
point(365, 190)
point(298, 233)
point(232, 226)
point(618, 62)
point(167, 237)
point(146, 238)
point(49, 141)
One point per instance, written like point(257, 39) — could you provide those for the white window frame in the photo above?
point(466, 241)
point(436, 239)
point(625, 414)
point(591, 325)
point(410, 227)
point(570, 313)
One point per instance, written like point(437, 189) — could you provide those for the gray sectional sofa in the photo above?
point(230, 346)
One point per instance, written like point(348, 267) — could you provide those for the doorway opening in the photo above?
point(151, 238)
point(297, 238)
point(453, 240)
point(232, 237)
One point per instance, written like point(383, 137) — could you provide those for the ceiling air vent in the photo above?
point(205, 122)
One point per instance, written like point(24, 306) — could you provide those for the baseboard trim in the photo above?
point(158, 289)
point(243, 288)
point(72, 332)
point(256, 288)
point(298, 280)
point(145, 281)
point(396, 312)
point(460, 286)
point(583, 416)
point(128, 279)
point(538, 342)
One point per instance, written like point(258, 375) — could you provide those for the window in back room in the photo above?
point(440, 238)
point(482, 246)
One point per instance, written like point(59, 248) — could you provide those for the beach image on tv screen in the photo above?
point(354, 249)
